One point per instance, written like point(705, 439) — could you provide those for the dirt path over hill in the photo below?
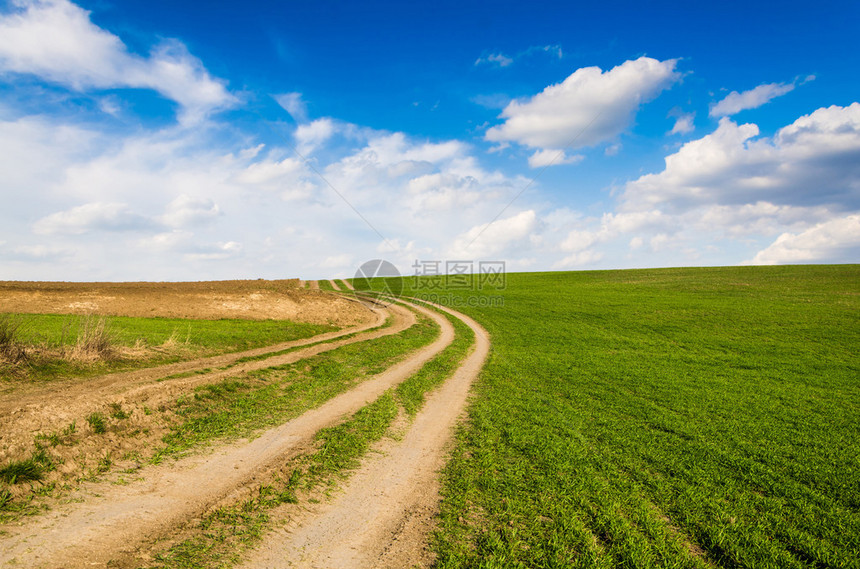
point(114, 524)
point(383, 516)
point(314, 285)
point(334, 285)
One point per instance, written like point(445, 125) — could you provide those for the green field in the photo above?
point(662, 418)
point(44, 336)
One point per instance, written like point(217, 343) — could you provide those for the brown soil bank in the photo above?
point(247, 299)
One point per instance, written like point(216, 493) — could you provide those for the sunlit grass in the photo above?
point(663, 418)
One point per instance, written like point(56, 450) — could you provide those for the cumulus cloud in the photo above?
point(489, 239)
point(55, 40)
point(833, 241)
point(589, 107)
point(577, 260)
point(736, 102)
point(813, 161)
point(312, 135)
point(611, 226)
point(92, 217)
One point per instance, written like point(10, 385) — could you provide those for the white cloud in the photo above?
point(489, 239)
point(833, 241)
point(552, 157)
point(811, 162)
point(554, 50)
point(578, 260)
point(91, 217)
point(293, 104)
point(683, 123)
point(312, 135)
point(612, 149)
point(337, 262)
point(495, 58)
point(187, 210)
point(760, 218)
point(55, 40)
point(610, 227)
point(502, 60)
point(659, 241)
point(166, 241)
point(216, 252)
point(736, 102)
point(589, 107)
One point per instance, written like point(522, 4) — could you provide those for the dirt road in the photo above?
point(384, 514)
point(50, 407)
point(118, 524)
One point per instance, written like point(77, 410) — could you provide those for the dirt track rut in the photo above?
point(384, 514)
point(117, 523)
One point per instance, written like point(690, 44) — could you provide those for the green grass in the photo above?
point(325, 285)
point(389, 321)
point(274, 395)
point(170, 339)
point(341, 284)
point(97, 422)
point(662, 418)
point(224, 534)
point(22, 471)
point(411, 393)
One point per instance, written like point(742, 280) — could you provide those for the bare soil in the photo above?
point(253, 300)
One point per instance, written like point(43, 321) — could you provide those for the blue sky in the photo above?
point(183, 140)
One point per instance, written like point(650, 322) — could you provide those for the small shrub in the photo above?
point(94, 340)
point(97, 422)
point(11, 350)
point(21, 471)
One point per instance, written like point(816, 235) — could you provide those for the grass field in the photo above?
point(662, 418)
point(47, 337)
